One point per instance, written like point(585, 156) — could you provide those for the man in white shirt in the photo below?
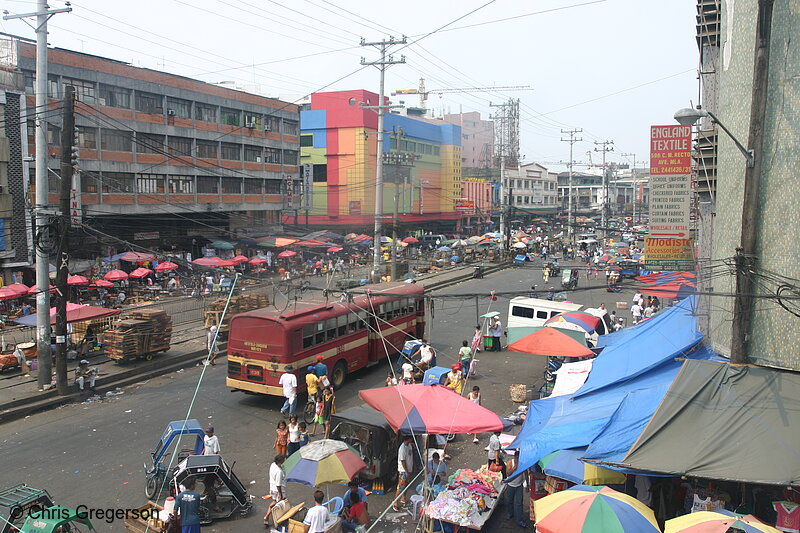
point(317, 515)
point(425, 352)
point(289, 383)
point(277, 479)
point(636, 311)
point(408, 373)
point(405, 467)
point(637, 298)
point(210, 442)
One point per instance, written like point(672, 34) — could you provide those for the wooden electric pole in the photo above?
point(68, 154)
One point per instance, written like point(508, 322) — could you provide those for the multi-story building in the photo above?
point(531, 189)
point(773, 335)
point(479, 192)
point(164, 157)
point(587, 192)
point(15, 222)
point(422, 165)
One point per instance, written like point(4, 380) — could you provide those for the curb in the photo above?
point(22, 407)
point(159, 366)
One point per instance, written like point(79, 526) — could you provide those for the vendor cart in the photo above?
point(144, 334)
point(222, 487)
point(465, 508)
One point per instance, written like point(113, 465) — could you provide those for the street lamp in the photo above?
point(689, 116)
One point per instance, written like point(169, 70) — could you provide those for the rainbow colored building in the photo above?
point(422, 168)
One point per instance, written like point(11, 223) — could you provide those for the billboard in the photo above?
point(463, 205)
point(668, 254)
point(670, 180)
point(308, 180)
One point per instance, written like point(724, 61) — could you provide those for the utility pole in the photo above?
point(382, 64)
point(509, 207)
point(572, 140)
point(605, 149)
point(633, 181)
point(42, 15)
point(745, 258)
point(68, 159)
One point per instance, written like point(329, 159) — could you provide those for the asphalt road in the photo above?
point(93, 453)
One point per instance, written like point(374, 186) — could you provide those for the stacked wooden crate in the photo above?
point(144, 332)
point(239, 304)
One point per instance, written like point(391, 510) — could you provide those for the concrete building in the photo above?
point(16, 236)
point(163, 157)
point(422, 167)
point(480, 192)
point(587, 192)
point(774, 335)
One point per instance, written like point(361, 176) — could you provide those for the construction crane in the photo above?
point(423, 93)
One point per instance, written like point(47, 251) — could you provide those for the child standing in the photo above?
point(294, 436)
point(475, 397)
point(281, 438)
point(304, 438)
point(328, 408)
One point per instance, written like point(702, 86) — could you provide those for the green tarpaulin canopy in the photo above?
point(723, 421)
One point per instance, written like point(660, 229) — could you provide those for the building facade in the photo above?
point(774, 335)
point(16, 235)
point(422, 165)
point(196, 157)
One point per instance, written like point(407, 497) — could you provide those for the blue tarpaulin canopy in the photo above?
point(641, 364)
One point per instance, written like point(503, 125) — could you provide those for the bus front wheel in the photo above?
point(339, 374)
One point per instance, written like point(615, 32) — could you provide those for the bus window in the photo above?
point(524, 312)
point(554, 313)
point(354, 324)
point(382, 311)
point(330, 328)
point(319, 336)
point(342, 331)
point(542, 315)
point(308, 336)
point(362, 320)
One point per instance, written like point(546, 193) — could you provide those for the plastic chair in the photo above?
point(338, 505)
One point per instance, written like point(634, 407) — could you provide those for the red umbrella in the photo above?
point(207, 261)
point(115, 275)
point(136, 257)
point(550, 342)
point(7, 293)
point(257, 261)
point(19, 287)
point(102, 283)
point(334, 249)
point(227, 263)
point(431, 409)
point(34, 290)
point(241, 259)
point(77, 280)
point(166, 266)
point(287, 253)
point(140, 273)
point(411, 240)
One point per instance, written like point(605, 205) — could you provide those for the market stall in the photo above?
point(467, 502)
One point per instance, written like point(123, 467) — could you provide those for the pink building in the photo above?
point(477, 138)
point(478, 191)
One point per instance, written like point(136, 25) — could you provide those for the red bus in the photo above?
point(265, 343)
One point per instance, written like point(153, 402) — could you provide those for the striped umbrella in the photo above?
point(718, 521)
point(585, 321)
point(585, 509)
point(321, 462)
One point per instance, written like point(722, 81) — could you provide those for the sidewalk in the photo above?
point(19, 395)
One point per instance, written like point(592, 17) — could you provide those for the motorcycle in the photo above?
point(553, 364)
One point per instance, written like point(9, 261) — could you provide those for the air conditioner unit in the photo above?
point(250, 125)
point(268, 127)
point(170, 112)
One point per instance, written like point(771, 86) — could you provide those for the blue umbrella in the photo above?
point(445, 249)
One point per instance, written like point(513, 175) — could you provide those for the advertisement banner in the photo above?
point(668, 254)
point(464, 206)
point(289, 192)
point(355, 207)
point(670, 181)
point(308, 180)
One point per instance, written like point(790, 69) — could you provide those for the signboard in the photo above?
point(668, 254)
point(146, 236)
point(670, 181)
point(74, 206)
point(289, 192)
point(355, 207)
point(464, 206)
point(308, 180)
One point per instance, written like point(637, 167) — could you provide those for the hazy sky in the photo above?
point(611, 67)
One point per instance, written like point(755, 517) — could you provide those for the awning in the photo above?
point(75, 313)
point(720, 421)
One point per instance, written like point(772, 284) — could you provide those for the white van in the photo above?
point(523, 311)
